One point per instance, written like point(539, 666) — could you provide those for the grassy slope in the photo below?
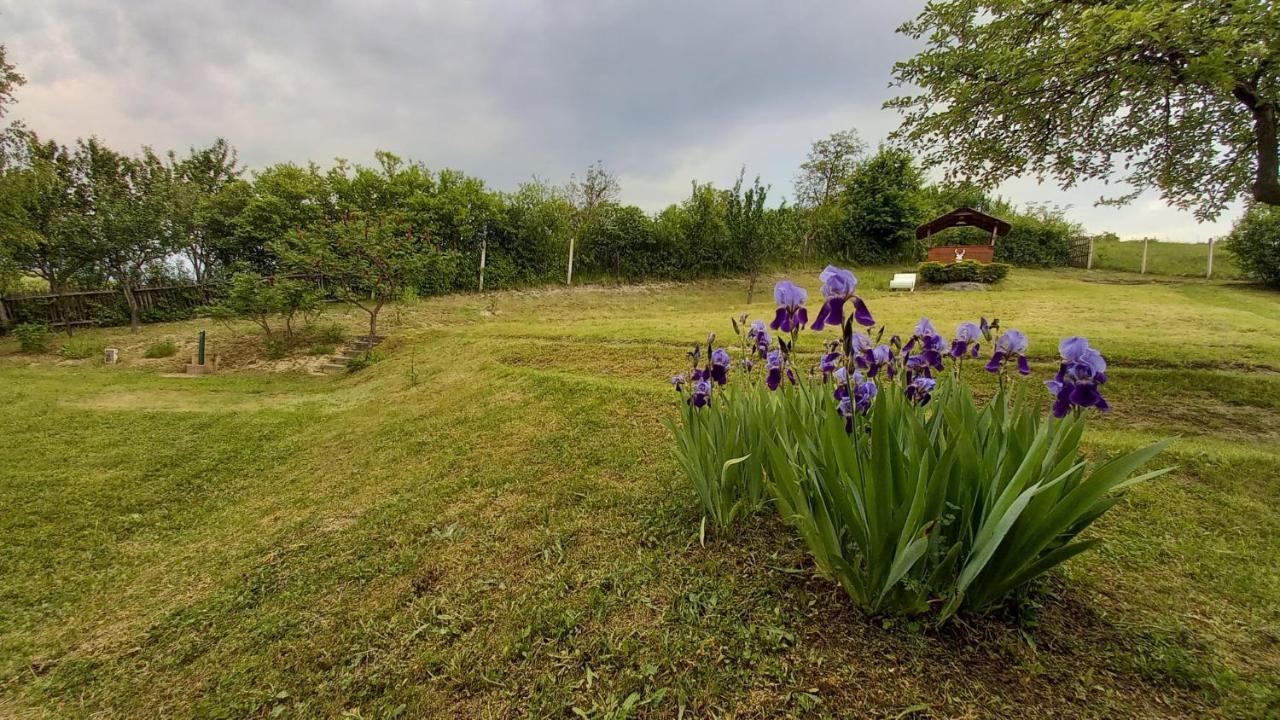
point(1166, 258)
point(509, 536)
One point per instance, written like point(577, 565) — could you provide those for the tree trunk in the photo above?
point(751, 287)
point(1266, 184)
point(373, 323)
point(135, 320)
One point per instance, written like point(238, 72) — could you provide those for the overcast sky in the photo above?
point(660, 92)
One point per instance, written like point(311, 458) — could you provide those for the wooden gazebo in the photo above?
point(964, 217)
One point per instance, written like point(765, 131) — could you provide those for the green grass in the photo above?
point(1166, 258)
point(503, 531)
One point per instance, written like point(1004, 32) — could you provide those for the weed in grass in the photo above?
point(81, 348)
point(162, 349)
point(322, 349)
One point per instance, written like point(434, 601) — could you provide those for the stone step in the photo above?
point(333, 367)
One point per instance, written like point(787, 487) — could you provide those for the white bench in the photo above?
point(903, 281)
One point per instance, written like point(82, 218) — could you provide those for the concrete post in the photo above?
point(1209, 273)
point(1145, 242)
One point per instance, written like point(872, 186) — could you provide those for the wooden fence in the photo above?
point(104, 307)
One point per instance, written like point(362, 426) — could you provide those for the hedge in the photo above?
point(964, 271)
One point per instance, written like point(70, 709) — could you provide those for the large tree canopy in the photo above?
point(1177, 95)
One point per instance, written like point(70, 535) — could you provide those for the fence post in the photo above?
point(484, 243)
point(569, 279)
point(1145, 242)
point(1209, 273)
point(1089, 265)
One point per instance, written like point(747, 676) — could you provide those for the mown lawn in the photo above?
point(489, 523)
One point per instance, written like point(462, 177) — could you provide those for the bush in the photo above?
point(163, 349)
point(1255, 244)
point(1040, 237)
point(364, 360)
point(82, 348)
point(910, 493)
point(33, 337)
point(964, 271)
point(262, 300)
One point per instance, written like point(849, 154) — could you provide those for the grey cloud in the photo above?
point(504, 89)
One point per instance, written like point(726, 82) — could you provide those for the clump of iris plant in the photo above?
point(864, 455)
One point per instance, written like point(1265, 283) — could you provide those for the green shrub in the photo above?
point(81, 348)
point(1040, 237)
point(33, 337)
point(331, 334)
point(163, 349)
point(1255, 244)
point(364, 360)
point(964, 271)
point(322, 349)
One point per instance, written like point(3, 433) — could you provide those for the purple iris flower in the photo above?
point(828, 364)
point(678, 382)
point(920, 390)
point(1011, 344)
point(747, 364)
point(863, 390)
point(760, 336)
point(839, 285)
point(881, 356)
point(859, 342)
point(967, 340)
point(1083, 369)
point(791, 314)
point(701, 396)
point(720, 365)
point(774, 364)
point(931, 345)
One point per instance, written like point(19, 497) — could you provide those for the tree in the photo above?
point(745, 216)
point(882, 205)
point(820, 181)
point(537, 218)
point(42, 212)
point(705, 233)
point(1177, 96)
point(201, 229)
point(11, 137)
point(366, 260)
point(131, 221)
point(285, 198)
point(825, 172)
point(1255, 244)
point(588, 197)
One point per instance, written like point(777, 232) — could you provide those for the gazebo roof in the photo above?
point(965, 217)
